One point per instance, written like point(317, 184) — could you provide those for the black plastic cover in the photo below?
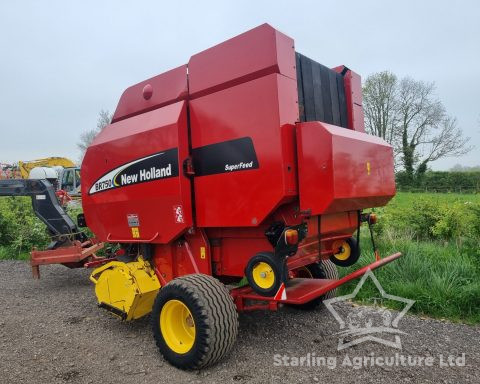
point(321, 93)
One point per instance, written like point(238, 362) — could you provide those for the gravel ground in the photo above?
point(51, 331)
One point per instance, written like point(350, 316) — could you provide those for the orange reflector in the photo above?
point(291, 236)
point(372, 218)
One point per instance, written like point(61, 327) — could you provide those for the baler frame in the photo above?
point(300, 290)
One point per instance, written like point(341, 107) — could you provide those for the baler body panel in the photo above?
point(342, 170)
point(253, 54)
point(354, 99)
point(133, 172)
point(166, 88)
point(244, 163)
point(242, 116)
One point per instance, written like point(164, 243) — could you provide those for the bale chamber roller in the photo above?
point(234, 182)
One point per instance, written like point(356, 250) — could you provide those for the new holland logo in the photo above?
point(154, 167)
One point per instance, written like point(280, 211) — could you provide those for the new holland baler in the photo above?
point(234, 182)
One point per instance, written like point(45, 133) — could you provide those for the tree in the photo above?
point(446, 141)
point(407, 114)
point(86, 138)
point(379, 101)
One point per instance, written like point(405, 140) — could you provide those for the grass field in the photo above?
point(404, 199)
point(443, 276)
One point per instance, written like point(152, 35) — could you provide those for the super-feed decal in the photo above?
point(158, 166)
point(227, 156)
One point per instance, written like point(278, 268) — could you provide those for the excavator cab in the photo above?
point(70, 181)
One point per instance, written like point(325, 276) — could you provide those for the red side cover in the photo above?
point(243, 107)
point(134, 188)
point(164, 89)
point(258, 52)
point(342, 170)
point(261, 112)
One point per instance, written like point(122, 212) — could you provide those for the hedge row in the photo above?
point(436, 181)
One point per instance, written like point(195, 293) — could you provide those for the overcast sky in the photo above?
point(61, 62)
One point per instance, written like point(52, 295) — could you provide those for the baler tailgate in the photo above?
point(342, 170)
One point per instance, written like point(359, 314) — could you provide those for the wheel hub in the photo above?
point(263, 275)
point(177, 326)
point(344, 250)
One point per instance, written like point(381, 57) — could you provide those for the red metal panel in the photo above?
point(256, 53)
point(236, 252)
point(354, 98)
point(166, 88)
point(235, 246)
point(152, 202)
point(353, 92)
point(257, 109)
point(165, 262)
point(183, 257)
point(342, 170)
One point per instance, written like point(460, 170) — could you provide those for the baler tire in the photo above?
point(278, 271)
point(329, 272)
point(323, 270)
point(215, 320)
point(353, 256)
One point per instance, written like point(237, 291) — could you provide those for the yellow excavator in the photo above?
point(26, 166)
point(68, 173)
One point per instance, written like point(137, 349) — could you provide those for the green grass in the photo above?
point(7, 253)
point(405, 199)
point(443, 277)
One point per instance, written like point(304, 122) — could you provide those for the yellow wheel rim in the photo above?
point(345, 250)
point(263, 275)
point(177, 326)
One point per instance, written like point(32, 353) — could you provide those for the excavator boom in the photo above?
point(69, 246)
point(46, 207)
point(26, 166)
